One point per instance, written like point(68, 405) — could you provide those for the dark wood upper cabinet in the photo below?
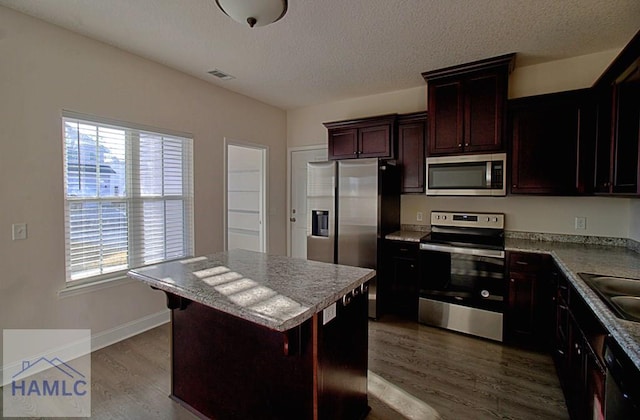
point(617, 148)
point(467, 105)
point(362, 138)
point(411, 156)
point(550, 137)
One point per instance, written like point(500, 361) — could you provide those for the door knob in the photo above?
point(292, 219)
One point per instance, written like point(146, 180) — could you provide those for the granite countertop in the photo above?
point(406, 235)
point(614, 261)
point(276, 292)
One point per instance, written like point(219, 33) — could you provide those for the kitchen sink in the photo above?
point(617, 286)
point(628, 304)
point(621, 294)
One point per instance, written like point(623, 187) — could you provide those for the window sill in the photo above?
point(92, 286)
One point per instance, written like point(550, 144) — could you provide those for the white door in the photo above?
point(246, 183)
point(298, 212)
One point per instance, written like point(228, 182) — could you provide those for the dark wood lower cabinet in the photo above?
point(529, 313)
point(228, 368)
point(544, 312)
point(579, 341)
point(402, 278)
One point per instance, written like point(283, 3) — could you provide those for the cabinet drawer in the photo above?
point(403, 249)
point(526, 262)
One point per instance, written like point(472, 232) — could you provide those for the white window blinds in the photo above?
point(128, 197)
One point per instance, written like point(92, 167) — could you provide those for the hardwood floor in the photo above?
point(417, 372)
point(463, 377)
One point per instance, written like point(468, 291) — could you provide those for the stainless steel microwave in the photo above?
point(482, 175)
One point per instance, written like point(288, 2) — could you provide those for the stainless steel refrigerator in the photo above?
point(352, 204)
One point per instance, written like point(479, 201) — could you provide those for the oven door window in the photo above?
point(463, 279)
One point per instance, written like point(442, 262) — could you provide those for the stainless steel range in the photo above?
point(462, 285)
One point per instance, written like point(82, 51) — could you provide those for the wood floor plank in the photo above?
point(453, 375)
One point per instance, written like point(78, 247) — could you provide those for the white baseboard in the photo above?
point(124, 331)
point(101, 339)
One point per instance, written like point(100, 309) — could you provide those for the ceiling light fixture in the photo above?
point(254, 12)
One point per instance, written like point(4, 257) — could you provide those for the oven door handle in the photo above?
point(459, 250)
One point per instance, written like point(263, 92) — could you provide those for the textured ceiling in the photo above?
point(327, 50)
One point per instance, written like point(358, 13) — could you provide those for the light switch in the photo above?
point(18, 231)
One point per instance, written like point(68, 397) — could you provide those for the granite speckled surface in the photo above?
point(406, 235)
point(578, 239)
point(614, 261)
point(276, 292)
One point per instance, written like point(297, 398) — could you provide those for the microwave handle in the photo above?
point(488, 174)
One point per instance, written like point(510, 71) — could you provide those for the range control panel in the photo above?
point(478, 220)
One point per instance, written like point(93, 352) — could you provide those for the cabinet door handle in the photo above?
point(466, 144)
point(522, 263)
point(513, 281)
point(459, 144)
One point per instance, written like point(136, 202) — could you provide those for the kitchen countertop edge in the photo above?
point(238, 311)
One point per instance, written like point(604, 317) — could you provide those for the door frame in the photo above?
point(290, 151)
point(264, 201)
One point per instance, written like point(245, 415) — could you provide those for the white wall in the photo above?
point(634, 214)
point(45, 69)
point(605, 216)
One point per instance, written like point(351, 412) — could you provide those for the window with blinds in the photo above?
point(128, 197)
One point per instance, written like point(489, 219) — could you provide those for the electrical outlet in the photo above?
point(329, 313)
point(419, 216)
point(581, 223)
point(18, 231)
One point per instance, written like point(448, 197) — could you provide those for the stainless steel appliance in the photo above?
point(352, 204)
point(622, 386)
point(462, 281)
point(621, 294)
point(466, 175)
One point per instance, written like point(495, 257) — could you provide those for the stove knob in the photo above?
point(485, 294)
point(488, 219)
point(495, 219)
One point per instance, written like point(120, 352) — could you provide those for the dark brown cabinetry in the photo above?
point(530, 310)
point(362, 138)
point(226, 367)
point(402, 278)
point(467, 105)
point(617, 169)
point(551, 139)
point(579, 340)
point(411, 156)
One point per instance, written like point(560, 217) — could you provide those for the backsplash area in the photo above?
point(603, 216)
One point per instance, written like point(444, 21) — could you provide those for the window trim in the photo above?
point(106, 280)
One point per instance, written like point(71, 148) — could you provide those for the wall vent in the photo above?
point(220, 74)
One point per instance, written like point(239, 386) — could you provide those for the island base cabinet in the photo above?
point(224, 367)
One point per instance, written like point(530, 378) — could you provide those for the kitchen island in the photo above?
point(262, 336)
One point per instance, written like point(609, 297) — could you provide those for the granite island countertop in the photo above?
point(276, 292)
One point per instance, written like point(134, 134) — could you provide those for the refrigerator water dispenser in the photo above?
point(320, 223)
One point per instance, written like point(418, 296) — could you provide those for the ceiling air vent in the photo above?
point(220, 74)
